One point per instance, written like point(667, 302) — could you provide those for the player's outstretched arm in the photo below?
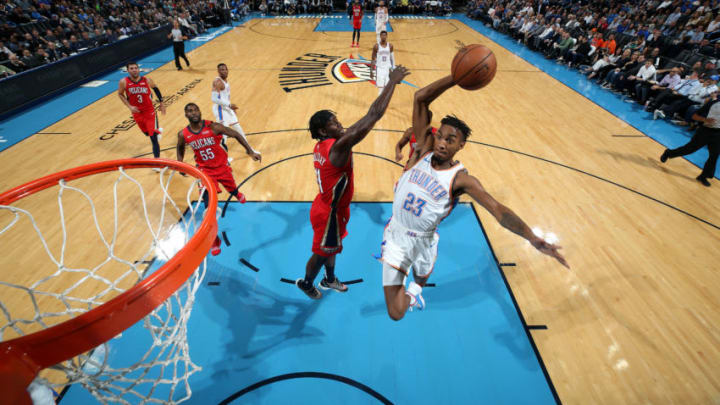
point(464, 183)
point(421, 110)
point(340, 151)
point(159, 96)
point(221, 129)
point(401, 144)
point(180, 148)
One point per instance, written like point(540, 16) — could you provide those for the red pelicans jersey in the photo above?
point(336, 184)
point(206, 145)
point(138, 94)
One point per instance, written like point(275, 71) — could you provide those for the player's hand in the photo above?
point(550, 250)
point(134, 109)
point(233, 107)
point(162, 108)
point(398, 155)
point(255, 156)
point(398, 74)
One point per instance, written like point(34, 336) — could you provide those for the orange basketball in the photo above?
point(473, 67)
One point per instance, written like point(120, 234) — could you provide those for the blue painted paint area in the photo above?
point(667, 134)
point(29, 122)
point(468, 346)
point(344, 24)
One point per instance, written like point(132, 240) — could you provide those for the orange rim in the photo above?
point(21, 359)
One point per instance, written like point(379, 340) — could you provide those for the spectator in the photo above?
point(16, 64)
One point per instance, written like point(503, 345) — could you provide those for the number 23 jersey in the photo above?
point(423, 195)
point(206, 145)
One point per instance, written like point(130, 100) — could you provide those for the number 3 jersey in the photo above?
point(423, 195)
point(206, 145)
point(336, 183)
point(138, 94)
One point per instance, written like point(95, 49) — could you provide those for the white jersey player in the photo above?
point(424, 195)
point(383, 59)
point(381, 19)
point(223, 109)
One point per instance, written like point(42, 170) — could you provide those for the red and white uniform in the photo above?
point(330, 211)
point(357, 16)
point(139, 95)
point(210, 156)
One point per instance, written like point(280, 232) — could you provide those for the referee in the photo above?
point(708, 134)
point(178, 44)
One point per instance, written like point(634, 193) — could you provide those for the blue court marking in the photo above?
point(669, 135)
point(27, 123)
point(249, 331)
point(344, 24)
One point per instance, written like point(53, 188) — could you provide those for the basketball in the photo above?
point(473, 67)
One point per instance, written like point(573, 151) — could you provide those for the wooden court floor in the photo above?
point(636, 318)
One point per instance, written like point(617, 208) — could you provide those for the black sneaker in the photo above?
point(703, 180)
point(335, 285)
point(311, 291)
point(664, 156)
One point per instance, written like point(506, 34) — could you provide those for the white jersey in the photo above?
point(223, 115)
point(383, 58)
point(423, 195)
point(381, 17)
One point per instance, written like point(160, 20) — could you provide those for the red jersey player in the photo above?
point(409, 137)
point(134, 91)
point(330, 211)
point(357, 15)
point(205, 137)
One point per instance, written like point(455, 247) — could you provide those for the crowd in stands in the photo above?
point(662, 54)
point(37, 32)
point(294, 7)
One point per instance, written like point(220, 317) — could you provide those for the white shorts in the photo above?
point(224, 115)
point(380, 27)
point(404, 249)
point(382, 76)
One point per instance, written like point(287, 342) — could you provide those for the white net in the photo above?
point(96, 242)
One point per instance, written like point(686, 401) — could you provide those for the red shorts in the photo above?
point(357, 24)
point(145, 121)
point(329, 228)
point(222, 175)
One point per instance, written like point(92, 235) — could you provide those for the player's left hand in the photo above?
point(233, 107)
point(550, 249)
point(162, 108)
point(255, 156)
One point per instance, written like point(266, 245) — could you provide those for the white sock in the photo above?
point(414, 288)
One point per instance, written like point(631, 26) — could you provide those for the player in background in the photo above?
point(383, 59)
point(205, 138)
point(425, 194)
point(330, 211)
point(357, 15)
point(134, 92)
point(381, 19)
point(223, 109)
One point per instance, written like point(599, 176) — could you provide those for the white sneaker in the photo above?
point(416, 301)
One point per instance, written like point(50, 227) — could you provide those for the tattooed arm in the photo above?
point(464, 183)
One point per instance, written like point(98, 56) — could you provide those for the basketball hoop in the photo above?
point(23, 357)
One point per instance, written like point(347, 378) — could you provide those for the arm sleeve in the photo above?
point(217, 100)
point(157, 93)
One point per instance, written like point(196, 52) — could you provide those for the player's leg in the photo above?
point(382, 76)
point(330, 281)
point(225, 177)
point(396, 300)
point(236, 126)
point(205, 197)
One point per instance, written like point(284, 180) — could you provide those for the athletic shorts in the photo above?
point(403, 249)
point(329, 228)
point(380, 27)
point(222, 175)
point(382, 76)
point(145, 120)
point(224, 115)
point(357, 24)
